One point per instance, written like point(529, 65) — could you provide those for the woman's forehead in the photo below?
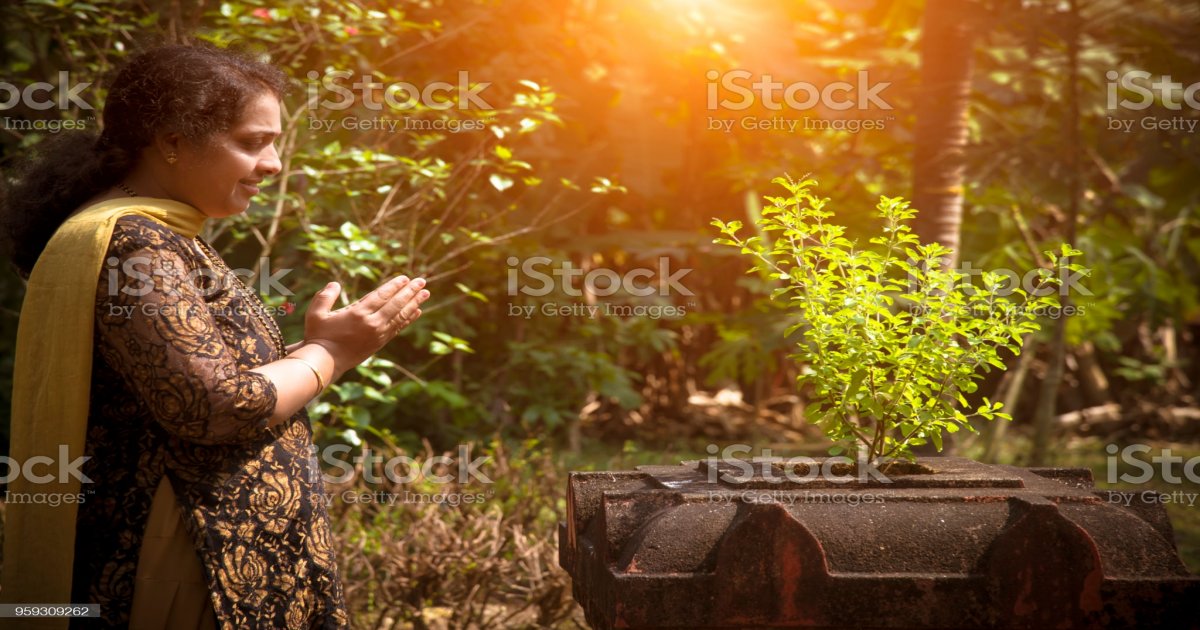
point(260, 115)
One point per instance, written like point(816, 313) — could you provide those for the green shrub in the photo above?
point(891, 339)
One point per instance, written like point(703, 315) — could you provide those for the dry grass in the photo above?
point(488, 564)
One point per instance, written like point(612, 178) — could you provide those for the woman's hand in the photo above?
point(354, 333)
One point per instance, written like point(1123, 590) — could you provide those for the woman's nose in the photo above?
point(270, 163)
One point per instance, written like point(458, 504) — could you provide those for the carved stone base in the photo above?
point(969, 546)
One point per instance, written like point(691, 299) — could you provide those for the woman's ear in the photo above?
point(168, 145)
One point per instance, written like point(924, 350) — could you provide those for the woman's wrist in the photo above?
point(320, 355)
point(312, 368)
point(297, 383)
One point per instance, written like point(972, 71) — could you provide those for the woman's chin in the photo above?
point(233, 207)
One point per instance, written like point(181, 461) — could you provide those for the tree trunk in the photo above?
point(941, 132)
point(1091, 376)
point(941, 123)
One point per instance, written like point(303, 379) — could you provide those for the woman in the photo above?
point(199, 503)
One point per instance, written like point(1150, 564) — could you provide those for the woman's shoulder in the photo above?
point(139, 222)
point(133, 232)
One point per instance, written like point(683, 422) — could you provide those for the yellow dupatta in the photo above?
point(51, 383)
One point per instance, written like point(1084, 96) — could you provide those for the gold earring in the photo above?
point(171, 158)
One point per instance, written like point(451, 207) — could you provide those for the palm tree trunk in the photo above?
point(941, 122)
point(947, 43)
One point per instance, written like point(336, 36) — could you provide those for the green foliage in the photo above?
point(748, 341)
point(892, 340)
point(1137, 205)
point(562, 376)
point(360, 204)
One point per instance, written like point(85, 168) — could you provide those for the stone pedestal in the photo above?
point(968, 546)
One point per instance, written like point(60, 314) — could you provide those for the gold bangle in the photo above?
point(315, 371)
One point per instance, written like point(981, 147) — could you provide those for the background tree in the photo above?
point(940, 161)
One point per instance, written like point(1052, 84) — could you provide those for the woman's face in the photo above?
point(219, 176)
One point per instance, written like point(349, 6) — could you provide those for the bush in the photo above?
point(892, 339)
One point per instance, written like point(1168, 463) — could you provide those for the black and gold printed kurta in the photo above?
point(171, 395)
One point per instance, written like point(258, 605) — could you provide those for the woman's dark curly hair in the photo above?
point(194, 90)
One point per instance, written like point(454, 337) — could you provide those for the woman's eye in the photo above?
point(256, 144)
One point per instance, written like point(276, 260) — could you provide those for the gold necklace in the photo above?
point(253, 301)
point(251, 297)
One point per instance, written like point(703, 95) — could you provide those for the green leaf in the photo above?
point(470, 292)
point(444, 343)
point(855, 382)
point(500, 182)
point(357, 417)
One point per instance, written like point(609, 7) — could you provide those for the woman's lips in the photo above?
point(250, 187)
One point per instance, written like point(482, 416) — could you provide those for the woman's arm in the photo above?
point(295, 383)
point(155, 329)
